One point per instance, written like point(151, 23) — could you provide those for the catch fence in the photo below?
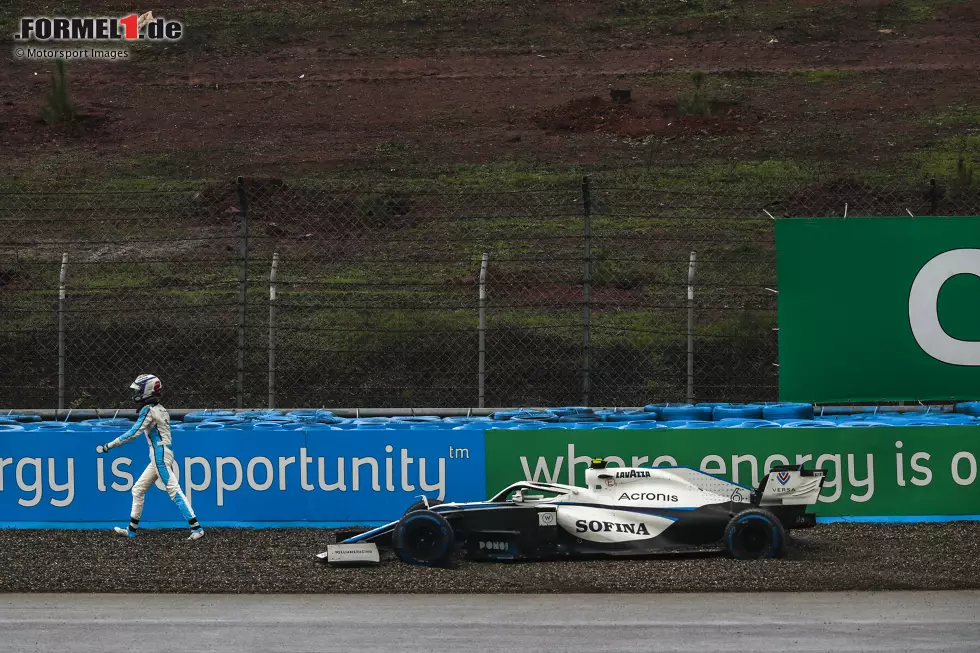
point(604, 290)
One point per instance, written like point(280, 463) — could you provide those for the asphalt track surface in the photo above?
point(699, 623)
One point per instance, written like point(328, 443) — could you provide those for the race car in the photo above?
point(639, 511)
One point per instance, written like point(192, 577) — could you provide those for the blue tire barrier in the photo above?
point(656, 408)
point(627, 416)
point(306, 415)
point(21, 418)
point(747, 423)
point(862, 424)
point(704, 414)
point(425, 427)
point(59, 426)
point(227, 419)
point(926, 422)
point(474, 426)
point(203, 415)
point(209, 426)
point(698, 424)
point(736, 410)
point(400, 426)
point(709, 404)
point(956, 419)
point(574, 419)
point(523, 413)
point(527, 426)
point(969, 408)
point(10, 428)
point(115, 422)
point(365, 421)
point(808, 424)
point(678, 413)
point(4, 420)
point(372, 427)
point(459, 421)
point(251, 415)
point(787, 411)
point(416, 419)
point(535, 416)
point(522, 420)
point(569, 411)
point(330, 419)
point(645, 424)
point(314, 427)
point(279, 419)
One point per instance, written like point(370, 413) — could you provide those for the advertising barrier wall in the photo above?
point(239, 477)
point(878, 309)
point(880, 472)
point(369, 477)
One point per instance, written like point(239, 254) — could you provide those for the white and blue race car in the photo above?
point(637, 511)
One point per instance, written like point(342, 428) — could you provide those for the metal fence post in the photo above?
point(690, 329)
point(586, 291)
point(242, 292)
point(483, 328)
point(61, 331)
point(272, 330)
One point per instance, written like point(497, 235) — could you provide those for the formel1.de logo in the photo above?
point(133, 27)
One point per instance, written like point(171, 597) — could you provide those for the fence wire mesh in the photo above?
point(377, 288)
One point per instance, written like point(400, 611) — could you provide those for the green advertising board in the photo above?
point(874, 472)
point(878, 309)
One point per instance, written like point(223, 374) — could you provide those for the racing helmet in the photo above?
point(145, 387)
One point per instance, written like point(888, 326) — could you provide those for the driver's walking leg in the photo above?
point(164, 460)
point(143, 483)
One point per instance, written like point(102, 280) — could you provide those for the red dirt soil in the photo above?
point(633, 120)
point(298, 110)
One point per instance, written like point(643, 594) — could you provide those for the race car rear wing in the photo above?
point(790, 485)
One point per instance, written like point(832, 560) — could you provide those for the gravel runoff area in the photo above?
point(829, 557)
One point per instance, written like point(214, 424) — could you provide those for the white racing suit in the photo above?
point(154, 423)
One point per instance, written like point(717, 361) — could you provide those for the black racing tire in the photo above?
point(755, 534)
point(424, 538)
point(420, 505)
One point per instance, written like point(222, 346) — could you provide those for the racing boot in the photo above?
point(124, 532)
point(196, 534)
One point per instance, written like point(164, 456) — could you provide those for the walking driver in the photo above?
point(154, 423)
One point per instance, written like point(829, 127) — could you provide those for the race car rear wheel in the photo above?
point(420, 505)
point(754, 534)
point(424, 538)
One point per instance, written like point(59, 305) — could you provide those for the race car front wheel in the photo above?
point(424, 538)
point(754, 534)
point(420, 505)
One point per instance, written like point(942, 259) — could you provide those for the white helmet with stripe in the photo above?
point(145, 387)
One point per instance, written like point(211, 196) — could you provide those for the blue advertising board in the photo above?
point(239, 477)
